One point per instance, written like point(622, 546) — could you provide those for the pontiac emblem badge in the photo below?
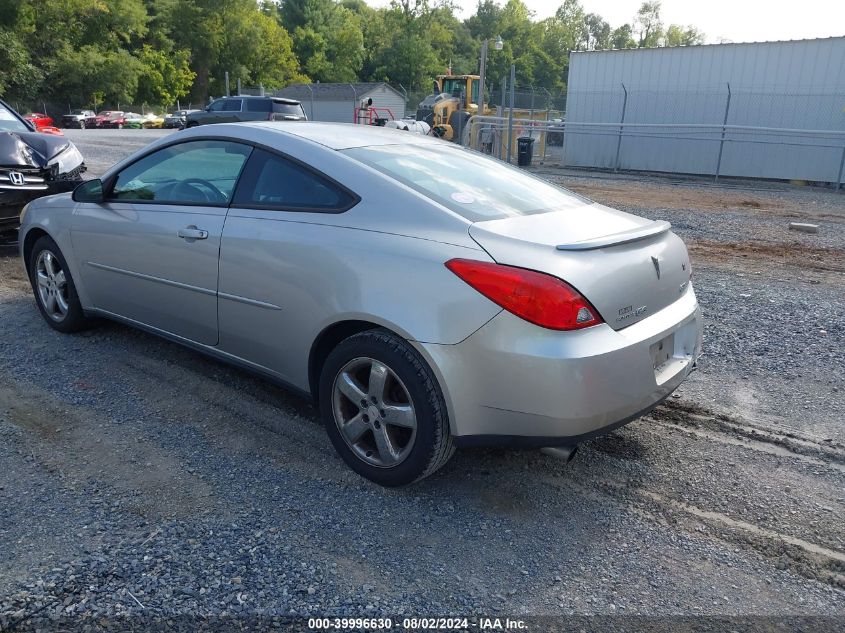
point(656, 263)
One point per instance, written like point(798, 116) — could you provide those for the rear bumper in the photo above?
point(512, 383)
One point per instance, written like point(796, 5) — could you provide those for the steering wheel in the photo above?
point(208, 190)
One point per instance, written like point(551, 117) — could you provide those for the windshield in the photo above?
point(9, 122)
point(470, 184)
point(455, 87)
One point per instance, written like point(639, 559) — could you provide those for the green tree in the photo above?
point(19, 77)
point(599, 32)
point(677, 35)
point(230, 35)
point(328, 39)
point(165, 77)
point(623, 37)
point(648, 25)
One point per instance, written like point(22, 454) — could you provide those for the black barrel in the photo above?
point(525, 148)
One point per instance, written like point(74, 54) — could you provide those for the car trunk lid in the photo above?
point(626, 266)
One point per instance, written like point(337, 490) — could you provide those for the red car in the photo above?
point(109, 118)
point(43, 124)
point(40, 120)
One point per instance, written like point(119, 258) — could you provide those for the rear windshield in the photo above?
point(470, 184)
point(287, 108)
point(9, 122)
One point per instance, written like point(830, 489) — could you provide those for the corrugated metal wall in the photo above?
point(794, 85)
point(342, 110)
point(383, 97)
point(334, 111)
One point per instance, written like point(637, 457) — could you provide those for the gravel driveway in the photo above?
point(142, 479)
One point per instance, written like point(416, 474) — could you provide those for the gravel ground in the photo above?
point(142, 480)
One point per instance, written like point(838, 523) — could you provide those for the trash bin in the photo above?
point(525, 148)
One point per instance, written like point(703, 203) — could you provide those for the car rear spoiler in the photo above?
point(614, 239)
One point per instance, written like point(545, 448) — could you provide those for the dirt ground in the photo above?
point(728, 499)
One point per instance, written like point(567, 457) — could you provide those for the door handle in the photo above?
point(192, 233)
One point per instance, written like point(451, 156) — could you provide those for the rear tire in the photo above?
point(55, 292)
point(383, 409)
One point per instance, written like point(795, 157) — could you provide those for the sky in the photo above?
point(734, 20)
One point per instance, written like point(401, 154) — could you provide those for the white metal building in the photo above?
point(769, 110)
point(337, 102)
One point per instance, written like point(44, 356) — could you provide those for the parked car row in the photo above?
point(223, 110)
point(117, 119)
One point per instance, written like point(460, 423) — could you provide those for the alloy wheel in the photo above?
point(52, 286)
point(373, 412)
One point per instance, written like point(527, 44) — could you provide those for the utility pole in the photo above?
point(510, 111)
point(482, 69)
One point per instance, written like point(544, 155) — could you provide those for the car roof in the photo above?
point(269, 97)
point(345, 135)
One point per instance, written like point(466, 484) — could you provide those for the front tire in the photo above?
point(383, 409)
point(55, 292)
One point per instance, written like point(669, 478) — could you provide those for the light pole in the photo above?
point(482, 70)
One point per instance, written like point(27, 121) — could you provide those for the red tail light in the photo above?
point(536, 297)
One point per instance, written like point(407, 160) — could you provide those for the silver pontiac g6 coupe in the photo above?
point(425, 296)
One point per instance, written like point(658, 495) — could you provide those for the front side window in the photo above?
point(232, 105)
point(273, 182)
point(216, 106)
point(469, 183)
point(196, 172)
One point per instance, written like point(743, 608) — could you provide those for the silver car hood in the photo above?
point(628, 267)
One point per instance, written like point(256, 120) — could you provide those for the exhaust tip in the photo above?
point(565, 453)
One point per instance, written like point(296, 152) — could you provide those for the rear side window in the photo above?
point(273, 182)
point(232, 105)
point(259, 105)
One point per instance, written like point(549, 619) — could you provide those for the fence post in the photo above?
point(841, 167)
point(239, 86)
point(354, 104)
point(621, 124)
point(501, 128)
point(226, 75)
point(510, 111)
point(405, 94)
point(532, 104)
point(311, 109)
point(722, 139)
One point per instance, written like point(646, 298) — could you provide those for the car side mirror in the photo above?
point(89, 191)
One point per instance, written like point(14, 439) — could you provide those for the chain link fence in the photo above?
point(719, 131)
